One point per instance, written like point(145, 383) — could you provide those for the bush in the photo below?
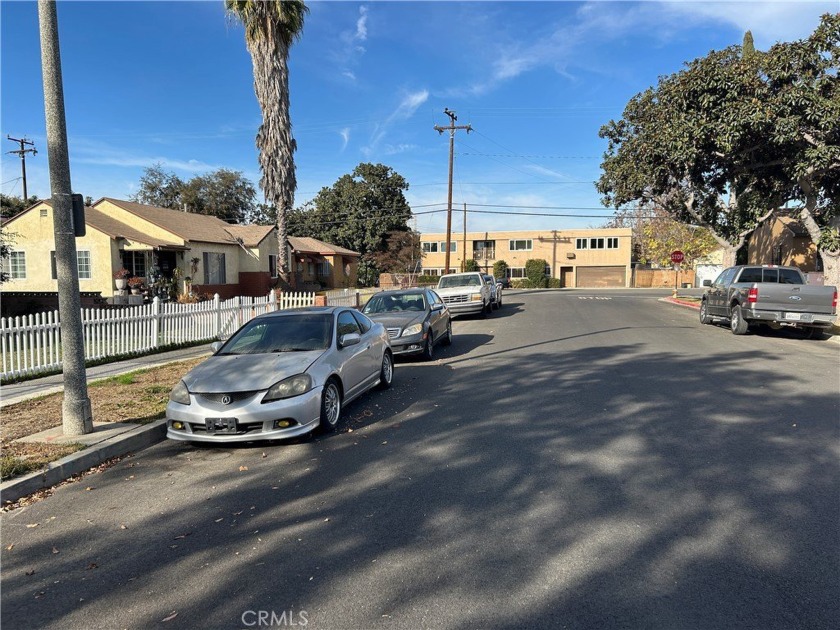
point(554, 283)
point(427, 280)
point(500, 268)
point(522, 283)
point(470, 265)
point(535, 272)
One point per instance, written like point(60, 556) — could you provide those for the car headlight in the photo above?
point(414, 329)
point(289, 387)
point(476, 297)
point(180, 394)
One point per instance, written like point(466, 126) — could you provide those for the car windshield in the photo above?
point(447, 282)
point(287, 333)
point(395, 303)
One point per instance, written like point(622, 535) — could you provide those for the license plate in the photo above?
point(220, 425)
point(793, 316)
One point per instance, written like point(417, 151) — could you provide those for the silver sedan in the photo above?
point(281, 375)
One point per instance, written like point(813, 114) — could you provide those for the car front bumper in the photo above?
point(465, 308)
point(254, 420)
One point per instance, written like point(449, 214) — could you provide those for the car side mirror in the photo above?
point(350, 339)
point(216, 346)
point(437, 307)
point(707, 283)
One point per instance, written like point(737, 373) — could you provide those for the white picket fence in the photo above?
point(350, 297)
point(32, 344)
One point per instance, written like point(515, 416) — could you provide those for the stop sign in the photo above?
point(677, 256)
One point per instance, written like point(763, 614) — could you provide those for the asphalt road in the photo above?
point(577, 460)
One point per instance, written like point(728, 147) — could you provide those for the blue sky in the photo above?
point(171, 82)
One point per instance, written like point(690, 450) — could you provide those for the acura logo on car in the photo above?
point(794, 297)
point(225, 399)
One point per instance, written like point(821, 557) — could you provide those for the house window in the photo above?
point(581, 243)
point(17, 266)
point(135, 262)
point(777, 255)
point(612, 242)
point(83, 261)
point(272, 265)
point(83, 265)
point(44, 213)
point(522, 245)
point(324, 269)
point(214, 268)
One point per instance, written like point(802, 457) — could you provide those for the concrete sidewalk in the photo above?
point(17, 392)
point(108, 439)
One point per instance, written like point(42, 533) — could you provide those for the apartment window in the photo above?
point(597, 243)
point(430, 248)
point(521, 245)
point(135, 262)
point(324, 269)
point(516, 272)
point(272, 265)
point(83, 265)
point(214, 268)
point(453, 246)
point(16, 266)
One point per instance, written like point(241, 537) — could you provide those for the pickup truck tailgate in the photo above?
point(800, 298)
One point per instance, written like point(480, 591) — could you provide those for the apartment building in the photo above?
point(578, 258)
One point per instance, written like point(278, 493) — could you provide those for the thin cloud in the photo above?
point(345, 136)
point(352, 50)
point(405, 110)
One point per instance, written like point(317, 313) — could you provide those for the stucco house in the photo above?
point(578, 258)
point(783, 240)
point(150, 241)
point(318, 263)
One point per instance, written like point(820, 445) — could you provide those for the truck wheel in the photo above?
point(704, 313)
point(737, 323)
point(815, 333)
point(485, 311)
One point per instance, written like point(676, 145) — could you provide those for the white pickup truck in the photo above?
point(768, 294)
point(465, 293)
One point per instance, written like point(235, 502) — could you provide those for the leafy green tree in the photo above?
point(159, 188)
point(11, 205)
point(535, 272)
point(358, 212)
point(271, 27)
point(500, 268)
point(224, 193)
point(735, 135)
point(471, 265)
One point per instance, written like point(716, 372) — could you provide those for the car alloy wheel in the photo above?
point(330, 405)
point(737, 322)
point(704, 313)
point(429, 350)
point(447, 338)
point(386, 374)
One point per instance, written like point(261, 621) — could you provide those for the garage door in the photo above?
point(594, 277)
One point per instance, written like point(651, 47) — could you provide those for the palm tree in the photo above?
point(271, 27)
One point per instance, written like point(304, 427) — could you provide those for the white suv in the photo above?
point(465, 293)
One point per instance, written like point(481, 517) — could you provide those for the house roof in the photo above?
point(250, 235)
point(188, 225)
point(309, 245)
point(117, 229)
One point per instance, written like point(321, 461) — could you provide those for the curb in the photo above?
point(680, 302)
point(66, 467)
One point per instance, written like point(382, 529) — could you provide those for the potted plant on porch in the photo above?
point(135, 284)
point(121, 278)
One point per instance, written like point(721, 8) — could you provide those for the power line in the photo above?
point(541, 157)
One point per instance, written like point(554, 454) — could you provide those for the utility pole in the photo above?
point(451, 128)
point(23, 142)
point(464, 250)
point(77, 418)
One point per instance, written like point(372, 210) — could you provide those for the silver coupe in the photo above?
point(281, 375)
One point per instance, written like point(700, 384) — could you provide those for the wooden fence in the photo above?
point(32, 344)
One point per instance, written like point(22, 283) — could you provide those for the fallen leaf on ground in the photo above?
point(89, 488)
point(264, 455)
point(243, 468)
point(56, 550)
point(32, 572)
point(9, 548)
point(170, 617)
point(122, 526)
point(32, 525)
point(92, 565)
point(182, 536)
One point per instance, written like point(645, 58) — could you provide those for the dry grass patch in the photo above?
point(134, 397)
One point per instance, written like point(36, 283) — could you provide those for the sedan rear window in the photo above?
point(395, 303)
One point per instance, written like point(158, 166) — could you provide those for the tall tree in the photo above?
point(159, 188)
point(734, 136)
point(358, 212)
point(271, 27)
point(11, 205)
point(224, 193)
